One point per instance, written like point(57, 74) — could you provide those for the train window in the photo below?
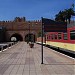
point(65, 36)
point(59, 36)
point(72, 35)
point(52, 36)
point(55, 36)
point(49, 37)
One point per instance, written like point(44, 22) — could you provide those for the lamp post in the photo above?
point(29, 32)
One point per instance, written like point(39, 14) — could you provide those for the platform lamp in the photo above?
point(32, 34)
point(29, 32)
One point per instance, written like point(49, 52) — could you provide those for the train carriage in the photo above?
point(65, 41)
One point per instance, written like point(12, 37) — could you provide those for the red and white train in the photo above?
point(62, 40)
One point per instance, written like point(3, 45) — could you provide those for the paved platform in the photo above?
point(20, 59)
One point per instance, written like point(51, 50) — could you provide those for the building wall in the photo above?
point(21, 27)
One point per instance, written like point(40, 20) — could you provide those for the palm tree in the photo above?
point(60, 17)
point(65, 15)
point(69, 13)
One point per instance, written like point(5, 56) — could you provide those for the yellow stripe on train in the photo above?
point(68, 46)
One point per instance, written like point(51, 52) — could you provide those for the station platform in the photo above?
point(20, 59)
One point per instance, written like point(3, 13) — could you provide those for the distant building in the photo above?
point(21, 29)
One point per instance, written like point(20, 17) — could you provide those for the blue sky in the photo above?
point(32, 9)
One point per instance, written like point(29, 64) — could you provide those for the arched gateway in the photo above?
point(21, 30)
point(16, 37)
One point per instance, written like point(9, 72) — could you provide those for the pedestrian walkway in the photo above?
point(20, 59)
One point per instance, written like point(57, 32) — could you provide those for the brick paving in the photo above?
point(20, 59)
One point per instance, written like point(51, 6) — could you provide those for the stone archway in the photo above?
point(16, 37)
point(30, 38)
